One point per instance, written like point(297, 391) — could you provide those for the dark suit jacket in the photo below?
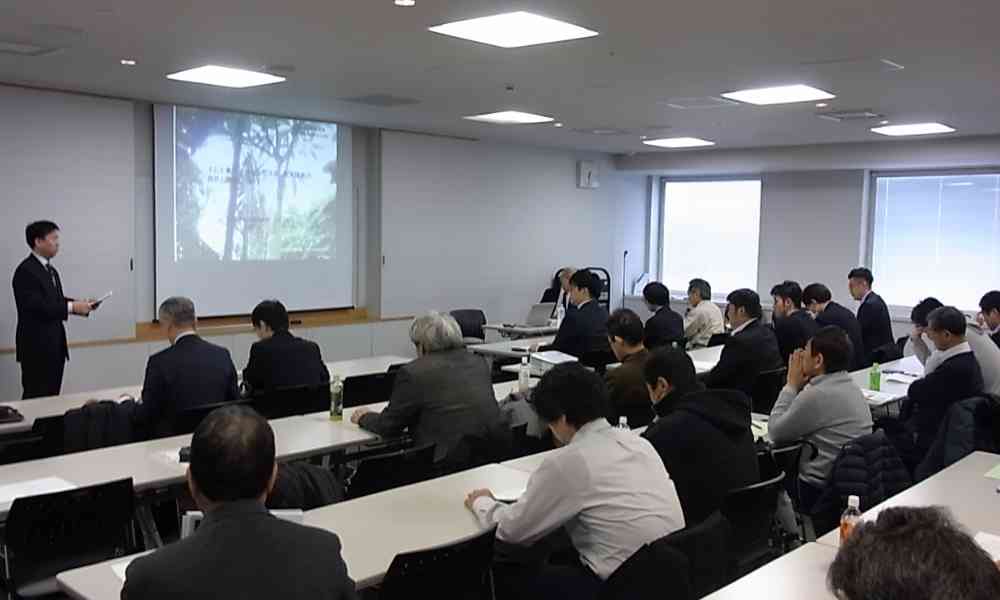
point(440, 398)
point(996, 338)
point(664, 328)
point(188, 374)
point(41, 310)
point(627, 390)
point(241, 551)
point(284, 360)
point(930, 397)
point(745, 356)
point(835, 314)
point(876, 326)
point(583, 330)
point(793, 332)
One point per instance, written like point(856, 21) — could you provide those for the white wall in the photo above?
point(470, 224)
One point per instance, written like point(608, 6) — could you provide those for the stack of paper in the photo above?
point(879, 398)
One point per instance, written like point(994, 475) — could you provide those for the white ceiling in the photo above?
point(648, 52)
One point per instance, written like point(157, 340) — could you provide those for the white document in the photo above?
point(878, 398)
point(900, 378)
point(990, 543)
point(119, 568)
point(33, 487)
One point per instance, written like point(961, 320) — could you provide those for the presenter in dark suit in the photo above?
point(873, 315)
point(750, 350)
point(665, 327)
point(989, 307)
point(584, 329)
point(818, 299)
point(188, 374)
point(280, 359)
point(240, 550)
point(41, 309)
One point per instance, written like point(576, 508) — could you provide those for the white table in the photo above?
point(529, 464)
point(798, 575)
point(506, 349)
point(521, 331)
point(365, 366)
point(962, 488)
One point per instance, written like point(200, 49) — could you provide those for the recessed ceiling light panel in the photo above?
point(913, 129)
point(225, 77)
point(510, 117)
point(514, 30)
point(783, 94)
point(679, 142)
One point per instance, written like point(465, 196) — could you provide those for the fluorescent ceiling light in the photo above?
point(514, 30)
point(128, 62)
point(225, 77)
point(783, 94)
point(913, 129)
point(510, 117)
point(405, 2)
point(679, 142)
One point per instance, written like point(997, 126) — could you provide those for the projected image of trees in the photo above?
point(253, 187)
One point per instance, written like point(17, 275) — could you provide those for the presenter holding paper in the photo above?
point(41, 309)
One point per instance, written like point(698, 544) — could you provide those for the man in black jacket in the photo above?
point(749, 351)
point(584, 329)
point(792, 326)
point(873, 315)
point(280, 359)
point(665, 327)
point(240, 550)
point(818, 299)
point(989, 306)
point(41, 310)
point(188, 374)
point(703, 436)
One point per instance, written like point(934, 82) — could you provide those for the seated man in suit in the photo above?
point(749, 351)
point(818, 299)
point(986, 352)
point(188, 374)
point(792, 326)
point(665, 327)
point(239, 550)
point(585, 328)
point(280, 359)
point(703, 318)
point(442, 396)
point(699, 432)
point(820, 404)
point(626, 385)
point(873, 317)
point(607, 487)
point(989, 306)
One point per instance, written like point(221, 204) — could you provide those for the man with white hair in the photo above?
point(442, 396)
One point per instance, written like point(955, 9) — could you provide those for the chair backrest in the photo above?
point(708, 548)
point(718, 339)
point(292, 400)
point(888, 352)
point(604, 298)
point(369, 389)
point(459, 571)
point(654, 568)
point(598, 359)
point(471, 321)
point(750, 511)
point(766, 388)
point(51, 533)
point(386, 471)
point(187, 420)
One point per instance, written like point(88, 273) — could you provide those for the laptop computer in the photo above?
point(540, 314)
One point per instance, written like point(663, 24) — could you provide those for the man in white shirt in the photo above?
point(986, 352)
point(608, 487)
point(704, 318)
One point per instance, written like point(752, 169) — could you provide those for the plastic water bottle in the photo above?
point(623, 424)
point(875, 378)
point(560, 315)
point(850, 518)
point(524, 376)
point(336, 399)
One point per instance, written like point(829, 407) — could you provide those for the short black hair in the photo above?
point(789, 290)
point(673, 365)
point(748, 300)
point(627, 325)
point(656, 294)
point(862, 273)
point(990, 301)
point(947, 318)
point(816, 292)
point(572, 390)
point(271, 312)
point(918, 316)
point(585, 280)
point(701, 286)
point(232, 454)
point(38, 229)
point(833, 344)
point(913, 552)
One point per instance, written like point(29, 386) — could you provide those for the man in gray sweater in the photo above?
point(820, 404)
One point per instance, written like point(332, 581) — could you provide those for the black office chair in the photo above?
point(717, 339)
point(471, 321)
point(461, 571)
point(750, 510)
point(51, 533)
point(602, 274)
point(187, 420)
point(599, 356)
point(655, 567)
point(369, 389)
point(394, 469)
point(292, 400)
point(766, 388)
point(708, 548)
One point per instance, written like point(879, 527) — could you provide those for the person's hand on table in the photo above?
point(358, 413)
point(476, 494)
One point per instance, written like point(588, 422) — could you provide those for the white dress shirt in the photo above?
point(702, 322)
point(45, 263)
point(607, 486)
point(743, 326)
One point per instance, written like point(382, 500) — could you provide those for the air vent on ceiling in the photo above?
point(698, 102)
point(849, 115)
point(25, 48)
point(382, 100)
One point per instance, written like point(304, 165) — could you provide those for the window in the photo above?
point(711, 230)
point(937, 235)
